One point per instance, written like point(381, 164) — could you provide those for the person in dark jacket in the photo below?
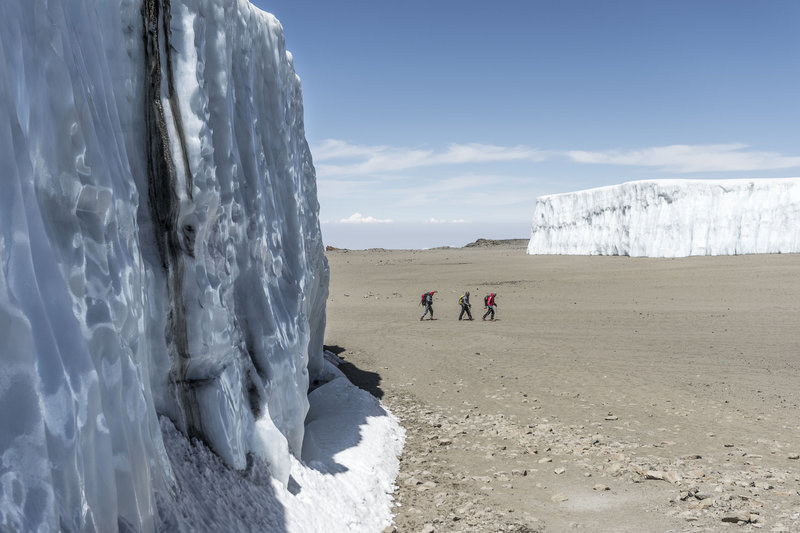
point(465, 305)
point(490, 303)
point(427, 302)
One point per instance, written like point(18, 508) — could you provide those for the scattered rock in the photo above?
point(412, 481)
point(559, 470)
point(600, 487)
point(560, 497)
point(735, 518)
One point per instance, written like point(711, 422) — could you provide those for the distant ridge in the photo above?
point(485, 243)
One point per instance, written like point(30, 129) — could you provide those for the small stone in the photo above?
point(545, 460)
point(445, 442)
point(702, 504)
point(611, 417)
point(600, 487)
point(794, 456)
point(672, 476)
point(412, 481)
point(654, 474)
point(735, 518)
point(559, 470)
point(390, 529)
point(560, 497)
point(427, 528)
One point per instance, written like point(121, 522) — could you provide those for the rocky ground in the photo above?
point(611, 395)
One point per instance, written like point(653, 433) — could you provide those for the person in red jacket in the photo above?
point(490, 303)
point(427, 301)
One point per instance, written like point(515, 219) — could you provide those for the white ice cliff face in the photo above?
point(671, 218)
point(160, 253)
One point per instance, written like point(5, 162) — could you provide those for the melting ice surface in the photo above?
point(162, 276)
point(671, 218)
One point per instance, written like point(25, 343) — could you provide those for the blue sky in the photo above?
point(437, 122)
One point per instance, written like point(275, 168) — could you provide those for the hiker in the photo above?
point(490, 303)
point(465, 305)
point(427, 301)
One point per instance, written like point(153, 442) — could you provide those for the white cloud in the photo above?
point(443, 221)
point(358, 218)
point(339, 158)
point(336, 149)
point(336, 158)
point(685, 158)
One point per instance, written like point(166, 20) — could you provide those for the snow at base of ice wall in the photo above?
point(160, 253)
point(671, 218)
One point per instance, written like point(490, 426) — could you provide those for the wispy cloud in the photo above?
point(337, 158)
point(358, 218)
point(443, 221)
point(683, 158)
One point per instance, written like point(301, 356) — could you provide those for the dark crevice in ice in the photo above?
point(175, 244)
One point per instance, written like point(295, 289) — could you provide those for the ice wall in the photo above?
point(671, 218)
point(160, 252)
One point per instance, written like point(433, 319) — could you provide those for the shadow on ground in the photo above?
point(363, 379)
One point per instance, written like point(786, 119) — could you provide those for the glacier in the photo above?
point(162, 274)
point(671, 218)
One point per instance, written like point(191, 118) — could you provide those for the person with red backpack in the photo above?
point(426, 300)
point(490, 303)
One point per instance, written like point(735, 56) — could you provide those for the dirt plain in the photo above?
point(611, 393)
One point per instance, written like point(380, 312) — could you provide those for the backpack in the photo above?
point(461, 300)
point(486, 301)
point(422, 298)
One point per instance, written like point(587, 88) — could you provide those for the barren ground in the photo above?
point(612, 394)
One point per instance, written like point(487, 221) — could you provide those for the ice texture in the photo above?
point(671, 218)
point(160, 253)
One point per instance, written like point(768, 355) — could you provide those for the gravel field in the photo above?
point(611, 394)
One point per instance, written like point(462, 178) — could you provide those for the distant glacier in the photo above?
point(671, 218)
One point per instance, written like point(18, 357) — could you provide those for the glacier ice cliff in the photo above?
point(160, 253)
point(671, 218)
